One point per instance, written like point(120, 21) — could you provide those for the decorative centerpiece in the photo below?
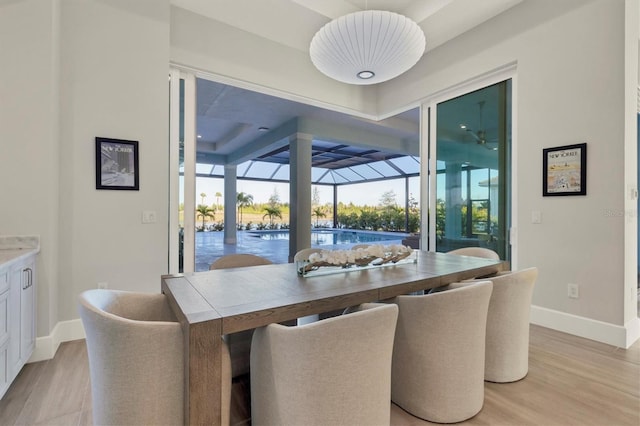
point(332, 261)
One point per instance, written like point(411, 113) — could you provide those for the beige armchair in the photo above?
point(360, 246)
point(334, 371)
point(507, 345)
point(476, 252)
point(438, 355)
point(135, 349)
point(239, 260)
point(304, 254)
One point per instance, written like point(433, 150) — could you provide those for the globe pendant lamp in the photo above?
point(367, 47)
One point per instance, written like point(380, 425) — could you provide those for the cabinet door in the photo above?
point(15, 291)
point(5, 380)
point(4, 340)
point(4, 307)
point(21, 315)
point(27, 311)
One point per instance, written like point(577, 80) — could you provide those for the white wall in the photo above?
point(29, 140)
point(81, 69)
point(631, 69)
point(114, 83)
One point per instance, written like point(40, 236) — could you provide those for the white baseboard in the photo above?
point(633, 331)
point(611, 334)
point(64, 331)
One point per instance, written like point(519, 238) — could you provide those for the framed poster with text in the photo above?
point(117, 164)
point(564, 170)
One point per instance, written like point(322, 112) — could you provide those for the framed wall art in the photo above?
point(117, 164)
point(564, 170)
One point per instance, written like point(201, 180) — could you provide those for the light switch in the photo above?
point(536, 216)
point(149, 216)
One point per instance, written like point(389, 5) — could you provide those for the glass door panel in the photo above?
point(176, 164)
point(472, 173)
point(181, 171)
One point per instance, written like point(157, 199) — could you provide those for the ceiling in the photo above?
point(231, 120)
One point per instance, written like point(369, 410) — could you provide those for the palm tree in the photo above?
point(318, 212)
point(218, 195)
point(204, 212)
point(203, 196)
point(272, 211)
point(243, 200)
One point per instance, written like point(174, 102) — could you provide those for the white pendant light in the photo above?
point(367, 47)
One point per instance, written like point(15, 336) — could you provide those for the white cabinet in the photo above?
point(4, 330)
point(17, 318)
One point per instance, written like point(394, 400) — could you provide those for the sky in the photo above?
point(359, 194)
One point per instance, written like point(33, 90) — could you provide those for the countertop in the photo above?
point(14, 248)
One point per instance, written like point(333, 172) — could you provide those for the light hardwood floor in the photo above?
point(571, 381)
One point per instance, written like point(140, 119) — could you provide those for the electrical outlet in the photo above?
point(573, 291)
point(103, 285)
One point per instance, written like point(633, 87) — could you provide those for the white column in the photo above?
point(300, 201)
point(230, 197)
point(300, 194)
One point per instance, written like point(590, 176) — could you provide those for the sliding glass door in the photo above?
point(182, 140)
point(472, 174)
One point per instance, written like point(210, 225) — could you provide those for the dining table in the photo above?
point(211, 304)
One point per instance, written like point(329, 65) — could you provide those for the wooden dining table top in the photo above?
point(250, 297)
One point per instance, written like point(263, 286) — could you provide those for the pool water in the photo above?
point(331, 237)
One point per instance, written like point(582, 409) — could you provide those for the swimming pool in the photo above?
point(327, 237)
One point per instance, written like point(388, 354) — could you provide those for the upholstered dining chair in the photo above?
point(481, 252)
point(334, 371)
point(135, 348)
point(476, 252)
point(305, 253)
point(438, 353)
point(238, 260)
point(507, 342)
point(239, 343)
point(360, 246)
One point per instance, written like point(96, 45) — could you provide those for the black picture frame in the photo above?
point(564, 170)
point(117, 164)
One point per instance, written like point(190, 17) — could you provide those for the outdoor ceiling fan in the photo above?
point(480, 136)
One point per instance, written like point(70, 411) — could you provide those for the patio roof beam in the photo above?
point(369, 165)
point(353, 171)
point(396, 168)
point(324, 174)
point(275, 171)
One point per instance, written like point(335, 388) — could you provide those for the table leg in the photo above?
point(203, 378)
point(202, 331)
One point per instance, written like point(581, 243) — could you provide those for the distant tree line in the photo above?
point(386, 216)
